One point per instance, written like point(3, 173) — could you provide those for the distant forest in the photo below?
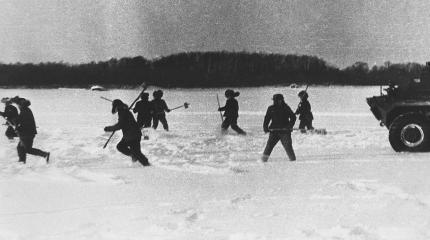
point(203, 69)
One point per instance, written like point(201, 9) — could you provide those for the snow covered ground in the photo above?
point(348, 184)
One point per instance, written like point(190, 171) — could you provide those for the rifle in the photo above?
point(185, 105)
point(144, 86)
point(321, 131)
point(219, 106)
point(107, 99)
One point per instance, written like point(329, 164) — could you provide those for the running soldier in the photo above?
point(25, 126)
point(131, 135)
point(231, 112)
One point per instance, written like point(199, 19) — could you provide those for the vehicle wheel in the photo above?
point(409, 132)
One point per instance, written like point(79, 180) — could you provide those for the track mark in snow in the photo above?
point(241, 199)
point(374, 189)
point(245, 236)
point(238, 170)
point(68, 174)
point(341, 232)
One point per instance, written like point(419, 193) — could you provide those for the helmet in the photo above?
point(231, 93)
point(116, 104)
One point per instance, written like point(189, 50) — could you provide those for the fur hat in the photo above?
point(144, 96)
point(117, 104)
point(157, 94)
point(303, 94)
point(231, 93)
point(277, 97)
point(22, 102)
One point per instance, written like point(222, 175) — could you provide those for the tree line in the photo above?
point(204, 69)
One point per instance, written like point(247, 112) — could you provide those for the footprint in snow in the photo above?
point(241, 199)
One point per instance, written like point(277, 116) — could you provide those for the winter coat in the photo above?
point(10, 113)
point(143, 108)
point(231, 108)
point(25, 123)
point(159, 107)
point(304, 110)
point(128, 125)
point(280, 117)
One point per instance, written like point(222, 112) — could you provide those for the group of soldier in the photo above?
point(151, 111)
point(278, 122)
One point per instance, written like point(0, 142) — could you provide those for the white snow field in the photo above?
point(348, 184)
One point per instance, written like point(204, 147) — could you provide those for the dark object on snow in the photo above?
point(231, 112)
point(281, 119)
point(219, 107)
point(319, 131)
point(303, 94)
point(20, 101)
point(126, 121)
point(131, 135)
point(277, 97)
point(25, 146)
point(144, 111)
point(26, 129)
point(304, 111)
point(274, 138)
point(279, 116)
point(10, 114)
point(185, 105)
point(230, 93)
point(405, 111)
point(157, 94)
point(10, 133)
point(25, 123)
point(160, 118)
point(144, 87)
point(118, 104)
point(231, 108)
point(159, 108)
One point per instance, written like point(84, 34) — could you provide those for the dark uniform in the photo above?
point(159, 108)
point(131, 135)
point(10, 114)
point(26, 129)
point(231, 112)
point(143, 109)
point(281, 119)
point(304, 110)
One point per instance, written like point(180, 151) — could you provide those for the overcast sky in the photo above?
point(340, 31)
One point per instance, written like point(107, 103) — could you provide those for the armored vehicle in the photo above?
point(404, 109)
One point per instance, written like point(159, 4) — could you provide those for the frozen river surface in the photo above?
point(348, 184)
point(71, 125)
